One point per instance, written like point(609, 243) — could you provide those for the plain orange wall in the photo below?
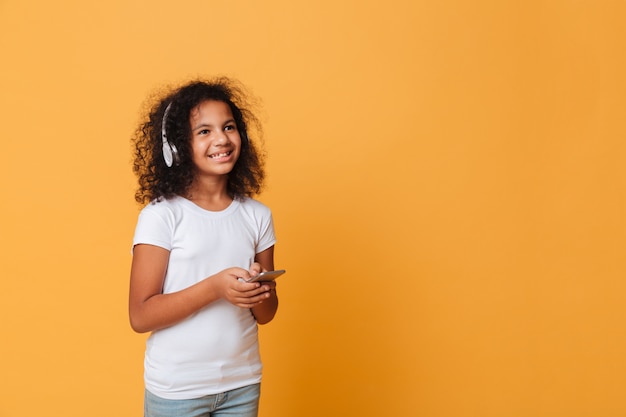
point(447, 179)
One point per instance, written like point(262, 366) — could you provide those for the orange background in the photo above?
point(447, 180)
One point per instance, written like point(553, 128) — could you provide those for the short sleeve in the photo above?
point(267, 236)
point(153, 228)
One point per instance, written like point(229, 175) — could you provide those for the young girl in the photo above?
point(196, 242)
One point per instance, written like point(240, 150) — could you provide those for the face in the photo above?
point(215, 140)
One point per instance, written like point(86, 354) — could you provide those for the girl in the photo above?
point(196, 242)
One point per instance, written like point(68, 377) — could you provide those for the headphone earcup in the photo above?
point(170, 154)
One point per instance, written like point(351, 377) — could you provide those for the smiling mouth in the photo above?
point(220, 155)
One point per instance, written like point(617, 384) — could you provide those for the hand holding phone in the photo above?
point(267, 276)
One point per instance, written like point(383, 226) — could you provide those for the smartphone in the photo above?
point(267, 276)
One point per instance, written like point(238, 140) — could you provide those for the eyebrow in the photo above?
point(210, 125)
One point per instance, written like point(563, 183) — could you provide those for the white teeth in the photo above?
point(219, 155)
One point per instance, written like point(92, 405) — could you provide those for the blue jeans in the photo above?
point(240, 402)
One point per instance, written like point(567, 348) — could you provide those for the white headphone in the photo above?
point(170, 153)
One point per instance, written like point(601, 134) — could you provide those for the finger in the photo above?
point(251, 302)
point(253, 296)
point(255, 269)
point(264, 287)
point(248, 305)
point(244, 288)
point(271, 285)
point(240, 273)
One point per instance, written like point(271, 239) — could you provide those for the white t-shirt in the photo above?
point(216, 349)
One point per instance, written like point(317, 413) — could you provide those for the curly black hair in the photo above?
point(156, 179)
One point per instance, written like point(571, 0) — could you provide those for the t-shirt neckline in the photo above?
point(221, 213)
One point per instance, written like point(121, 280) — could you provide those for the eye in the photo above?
point(230, 127)
point(203, 132)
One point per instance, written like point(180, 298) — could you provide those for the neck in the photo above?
point(210, 195)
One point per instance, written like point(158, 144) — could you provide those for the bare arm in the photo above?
point(265, 311)
point(150, 309)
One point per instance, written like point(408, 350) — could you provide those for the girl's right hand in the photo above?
point(238, 292)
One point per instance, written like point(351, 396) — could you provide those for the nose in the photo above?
point(222, 138)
